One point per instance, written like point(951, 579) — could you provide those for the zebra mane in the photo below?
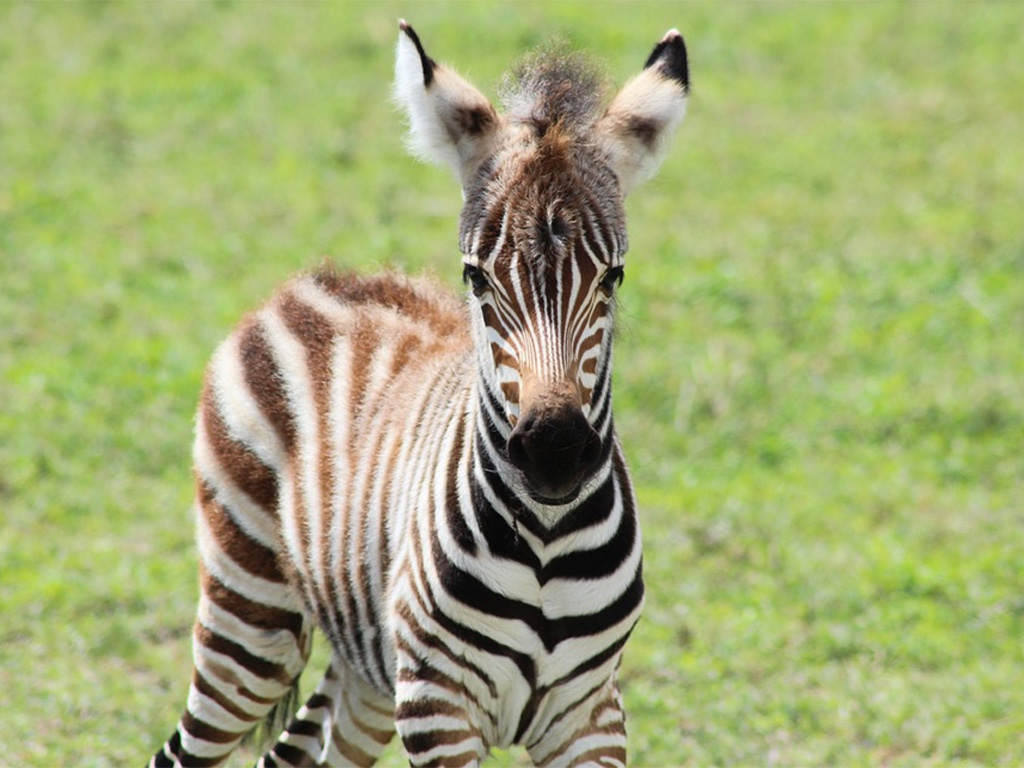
point(552, 86)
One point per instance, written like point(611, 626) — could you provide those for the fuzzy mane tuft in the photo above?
point(554, 86)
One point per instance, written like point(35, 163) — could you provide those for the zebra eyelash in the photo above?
point(474, 277)
point(612, 279)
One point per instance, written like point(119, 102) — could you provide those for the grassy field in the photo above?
point(819, 378)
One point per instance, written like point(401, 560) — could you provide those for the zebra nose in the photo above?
point(554, 448)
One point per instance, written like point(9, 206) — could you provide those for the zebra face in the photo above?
point(543, 234)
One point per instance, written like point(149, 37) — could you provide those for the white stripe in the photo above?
point(277, 646)
point(339, 420)
point(242, 415)
point(294, 367)
point(257, 523)
point(565, 597)
point(236, 578)
point(209, 660)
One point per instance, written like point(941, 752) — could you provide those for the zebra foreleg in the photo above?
point(344, 722)
point(596, 736)
point(435, 730)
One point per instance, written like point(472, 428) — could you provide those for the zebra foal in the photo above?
point(436, 484)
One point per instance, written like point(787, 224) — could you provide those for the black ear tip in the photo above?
point(669, 55)
point(409, 32)
point(671, 36)
point(429, 65)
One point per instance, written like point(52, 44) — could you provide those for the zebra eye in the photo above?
point(475, 278)
point(612, 279)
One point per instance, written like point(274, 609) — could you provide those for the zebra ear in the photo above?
point(450, 121)
point(638, 124)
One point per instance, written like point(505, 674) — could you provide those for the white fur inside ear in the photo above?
point(638, 126)
point(427, 139)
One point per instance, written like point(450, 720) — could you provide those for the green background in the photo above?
point(819, 371)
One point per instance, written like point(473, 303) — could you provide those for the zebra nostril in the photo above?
point(591, 450)
point(522, 443)
point(517, 451)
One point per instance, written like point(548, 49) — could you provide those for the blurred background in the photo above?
point(819, 373)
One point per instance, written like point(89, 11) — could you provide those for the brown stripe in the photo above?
point(607, 755)
point(258, 615)
point(378, 556)
point(233, 541)
point(194, 761)
point(431, 674)
point(351, 752)
point(366, 344)
point(502, 357)
point(428, 708)
point(605, 234)
point(567, 309)
point(539, 694)
point(207, 689)
point(246, 693)
point(407, 348)
point(511, 391)
point(593, 756)
point(493, 320)
point(380, 736)
point(437, 309)
point(454, 761)
point(317, 335)
point(205, 731)
point(260, 667)
point(390, 462)
point(426, 673)
point(388, 713)
point(423, 741)
point(490, 227)
point(250, 475)
point(264, 380)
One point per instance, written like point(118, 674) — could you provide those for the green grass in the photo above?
point(819, 374)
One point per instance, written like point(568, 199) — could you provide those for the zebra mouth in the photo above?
point(551, 492)
point(555, 501)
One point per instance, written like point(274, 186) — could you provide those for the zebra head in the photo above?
point(543, 234)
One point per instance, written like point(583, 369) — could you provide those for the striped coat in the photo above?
point(433, 483)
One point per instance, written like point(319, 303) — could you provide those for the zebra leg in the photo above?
point(345, 722)
point(250, 642)
point(433, 723)
point(595, 735)
point(241, 671)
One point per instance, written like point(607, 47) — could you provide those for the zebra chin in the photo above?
point(543, 492)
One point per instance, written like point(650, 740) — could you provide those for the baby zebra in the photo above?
point(436, 483)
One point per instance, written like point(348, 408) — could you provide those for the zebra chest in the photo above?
point(522, 650)
point(524, 639)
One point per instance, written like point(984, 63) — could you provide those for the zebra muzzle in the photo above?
point(555, 449)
